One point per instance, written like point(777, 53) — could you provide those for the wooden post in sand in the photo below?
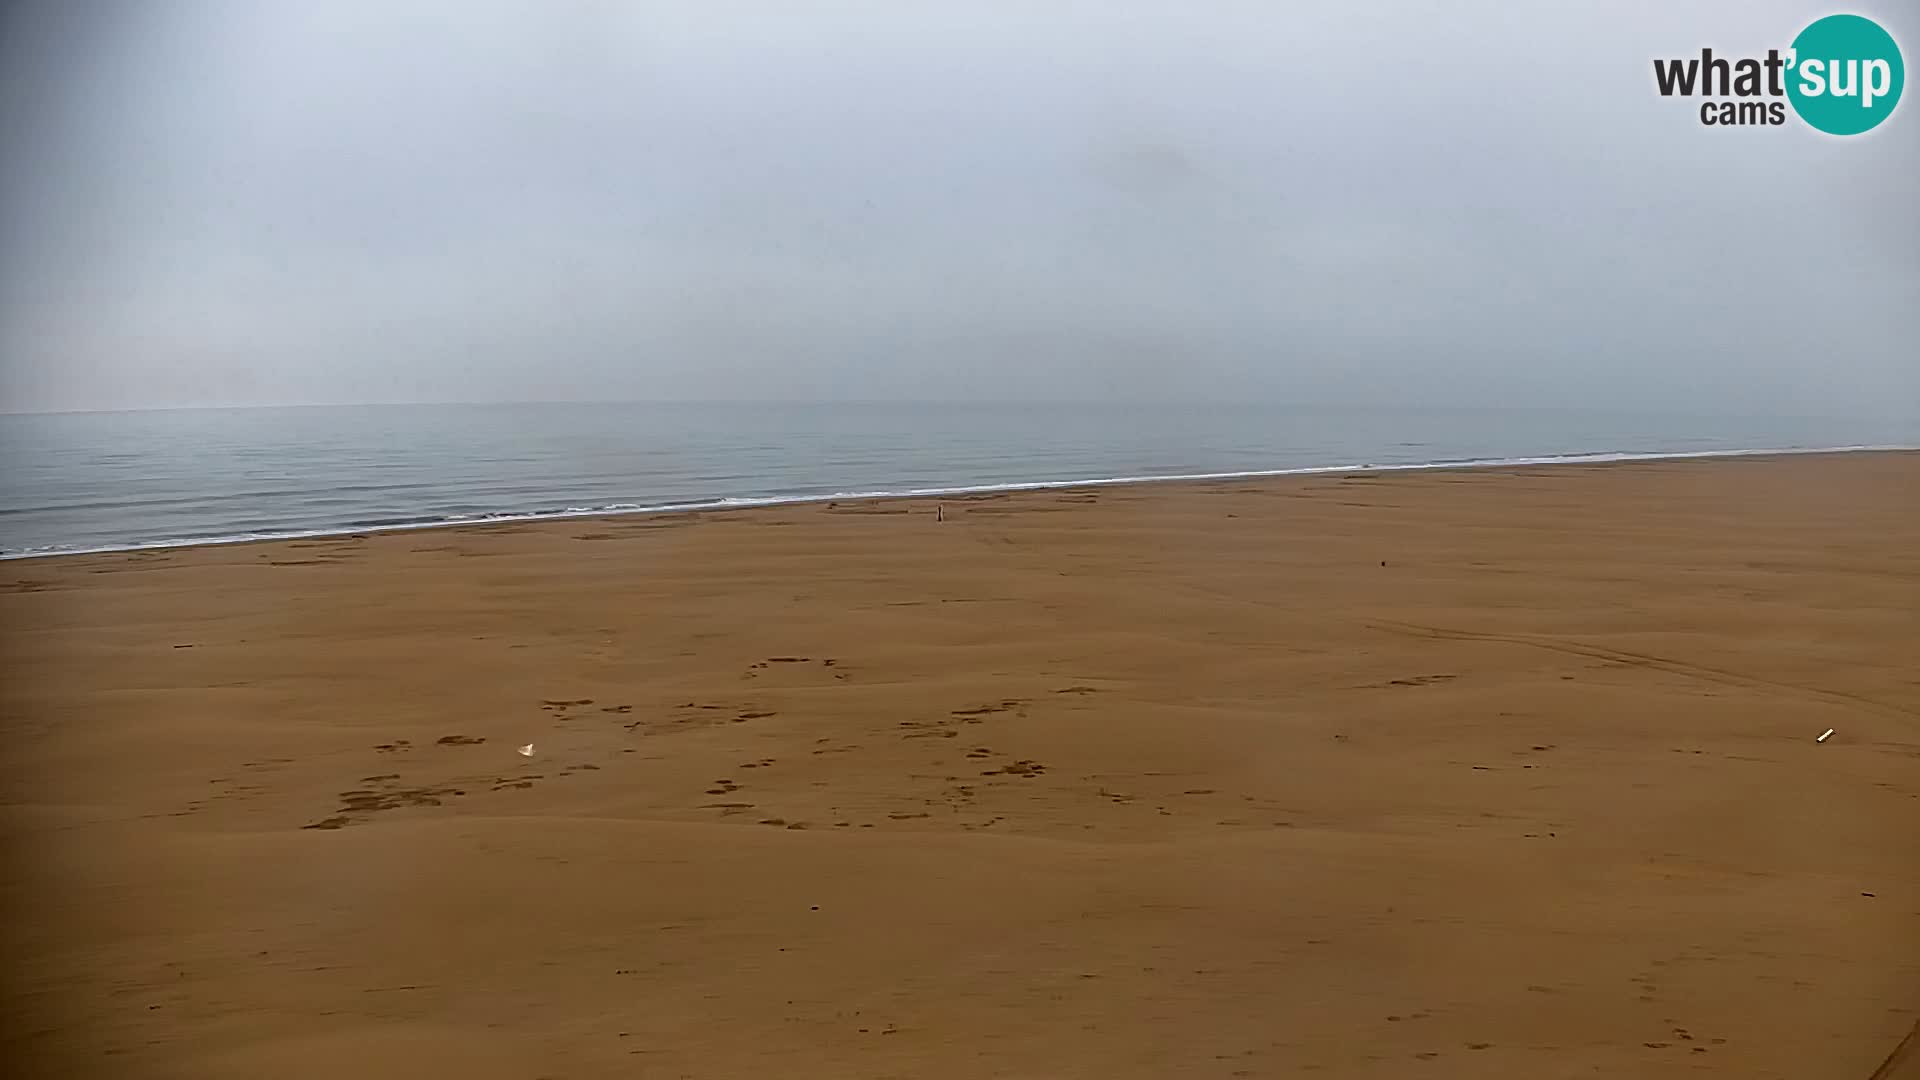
point(939, 512)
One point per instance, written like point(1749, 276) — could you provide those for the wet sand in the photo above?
point(1489, 773)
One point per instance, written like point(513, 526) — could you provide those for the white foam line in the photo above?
point(749, 502)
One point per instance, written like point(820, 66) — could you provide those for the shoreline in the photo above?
point(1478, 772)
point(776, 501)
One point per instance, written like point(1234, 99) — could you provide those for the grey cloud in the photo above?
point(229, 203)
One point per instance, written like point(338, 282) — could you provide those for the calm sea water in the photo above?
point(75, 482)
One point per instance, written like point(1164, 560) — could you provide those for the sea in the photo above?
point(81, 482)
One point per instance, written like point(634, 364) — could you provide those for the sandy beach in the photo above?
point(1461, 774)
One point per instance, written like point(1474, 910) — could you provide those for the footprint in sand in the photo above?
point(753, 670)
point(972, 715)
point(362, 802)
point(1419, 680)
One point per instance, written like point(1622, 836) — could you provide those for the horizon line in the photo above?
point(1209, 403)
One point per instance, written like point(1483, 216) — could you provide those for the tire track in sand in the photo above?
point(1660, 663)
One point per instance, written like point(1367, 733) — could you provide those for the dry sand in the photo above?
point(1501, 773)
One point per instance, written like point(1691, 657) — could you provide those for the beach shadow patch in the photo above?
point(459, 740)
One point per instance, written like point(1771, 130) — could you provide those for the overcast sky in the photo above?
point(247, 202)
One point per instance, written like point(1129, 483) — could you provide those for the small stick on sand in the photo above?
point(1823, 735)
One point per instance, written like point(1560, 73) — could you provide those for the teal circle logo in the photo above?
point(1845, 75)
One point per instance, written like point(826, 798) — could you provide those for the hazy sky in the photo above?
point(366, 200)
